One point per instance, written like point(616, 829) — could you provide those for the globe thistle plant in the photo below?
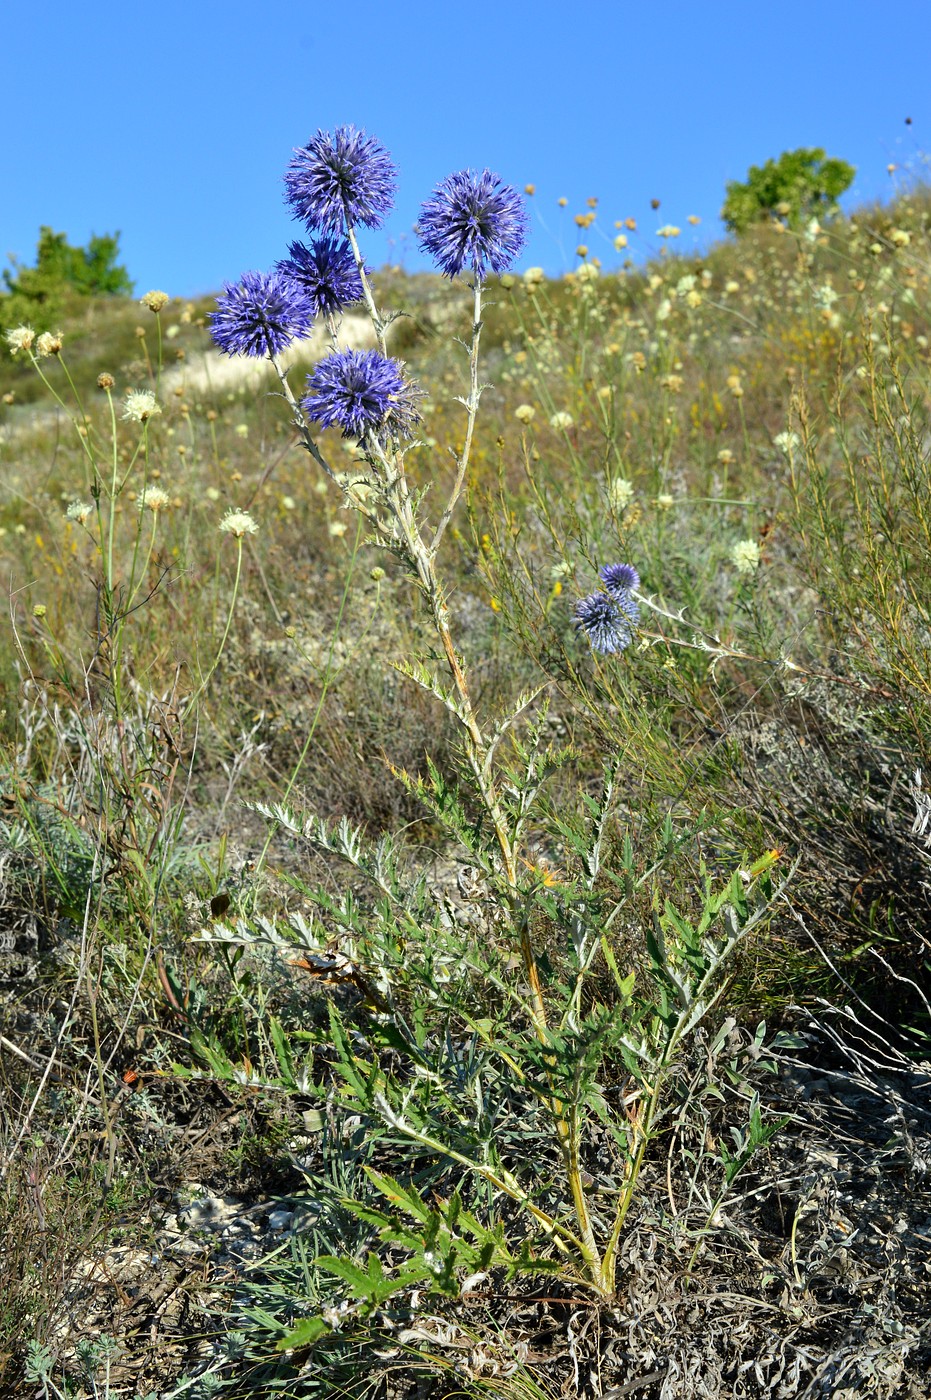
point(606, 620)
point(341, 179)
point(326, 272)
point(361, 392)
point(473, 221)
point(260, 315)
point(619, 578)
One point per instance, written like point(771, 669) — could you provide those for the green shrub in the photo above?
point(40, 294)
point(795, 187)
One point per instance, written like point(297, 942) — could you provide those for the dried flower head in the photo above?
point(155, 301)
point(154, 498)
point(326, 272)
point(105, 381)
point(525, 412)
point(534, 277)
point(80, 512)
point(361, 392)
point(238, 523)
point(561, 421)
point(49, 344)
point(20, 338)
point(140, 405)
point(260, 315)
point(473, 220)
point(340, 178)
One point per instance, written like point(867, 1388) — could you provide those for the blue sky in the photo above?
point(174, 124)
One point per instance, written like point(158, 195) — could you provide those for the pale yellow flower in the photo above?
point(20, 338)
point(154, 498)
point(534, 276)
point(561, 421)
point(745, 557)
point(787, 442)
point(524, 412)
point(49, 344)
point(140, 405)
point(238, 523)
point(620, 493)
point(154, 301)
point(79, 511)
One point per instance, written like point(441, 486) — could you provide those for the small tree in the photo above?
point(797, 186)
point(39, 294)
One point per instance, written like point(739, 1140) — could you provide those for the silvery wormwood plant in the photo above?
point(466, 1043)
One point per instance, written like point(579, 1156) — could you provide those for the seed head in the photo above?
point(155, 301)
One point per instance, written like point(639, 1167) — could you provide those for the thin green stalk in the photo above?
point(226, 630)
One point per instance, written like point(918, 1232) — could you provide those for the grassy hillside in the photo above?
point(209, 996)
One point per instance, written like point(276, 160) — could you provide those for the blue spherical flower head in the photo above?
point(338, 177)
point(619, 578)
point(361, 392)
point(606, 624)
point(472, 220)
point(326, 272)
point(260, 315)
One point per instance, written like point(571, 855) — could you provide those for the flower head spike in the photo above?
point(606, 624)
point(260, 315)
point(361, 392)
point(154, 498)
point(20, 338)
point(80, 512)
point(49, 343)
point(340, 176)
point(473, 220)
point(326, 272)
point(619, 578)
